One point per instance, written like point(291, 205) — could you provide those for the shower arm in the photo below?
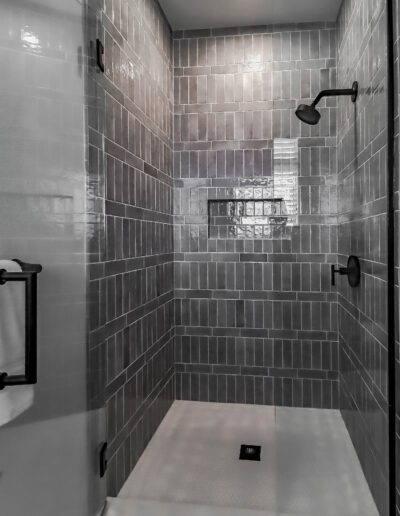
point(331, 93)
point(353, 92)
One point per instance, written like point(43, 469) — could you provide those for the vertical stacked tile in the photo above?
point(95, 193)
point(362, 209)
point(132, 279)
point(256, 316)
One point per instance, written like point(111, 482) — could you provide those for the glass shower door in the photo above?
point(50, 432)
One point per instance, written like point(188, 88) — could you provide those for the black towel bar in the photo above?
point(29, 277)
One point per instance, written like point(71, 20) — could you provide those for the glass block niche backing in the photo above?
point(265, 210)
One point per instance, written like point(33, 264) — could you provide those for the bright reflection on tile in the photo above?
point(286, 171)
point(46, 453)
point(255, 63)
point(30, 40)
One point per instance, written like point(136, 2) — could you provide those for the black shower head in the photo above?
point(308, 114)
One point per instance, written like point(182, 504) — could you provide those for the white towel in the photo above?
point(15, 399)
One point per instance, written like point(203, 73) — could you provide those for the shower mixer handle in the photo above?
point(352, 271)
point(343, 271)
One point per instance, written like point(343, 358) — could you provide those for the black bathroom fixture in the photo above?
point(29, 277)
point(310, 115)
point(100, 55)
point(352, 271)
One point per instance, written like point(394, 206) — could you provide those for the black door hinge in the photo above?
point(103, 460)
point(100, 55)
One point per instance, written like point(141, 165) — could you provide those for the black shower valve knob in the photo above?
point(352, 271)
point(343, 271)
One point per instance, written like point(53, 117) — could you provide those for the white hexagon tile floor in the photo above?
point(191, 466)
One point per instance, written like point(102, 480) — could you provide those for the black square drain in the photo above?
point(250, 452)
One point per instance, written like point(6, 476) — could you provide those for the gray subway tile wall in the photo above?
point(256, 316)
point(362, 212)
point(130, 164)
point(95, 192)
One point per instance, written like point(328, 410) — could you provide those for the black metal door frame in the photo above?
point(391, 164)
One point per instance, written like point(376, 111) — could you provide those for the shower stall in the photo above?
point(211, 191)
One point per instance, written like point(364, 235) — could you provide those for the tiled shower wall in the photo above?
point(132, 263)
point(362, 172)
point(256, 318)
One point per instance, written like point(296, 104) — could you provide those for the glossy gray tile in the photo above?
point(362, 214)
point(255, 313)
point(132, 325)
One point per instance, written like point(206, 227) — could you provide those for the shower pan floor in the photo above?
point(308, 464)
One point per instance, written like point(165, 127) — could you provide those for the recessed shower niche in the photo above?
point(247, 218)
point(261, 208)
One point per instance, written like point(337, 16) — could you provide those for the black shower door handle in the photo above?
point(29, 277)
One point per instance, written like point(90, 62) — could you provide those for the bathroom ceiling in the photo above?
point(201, 14)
